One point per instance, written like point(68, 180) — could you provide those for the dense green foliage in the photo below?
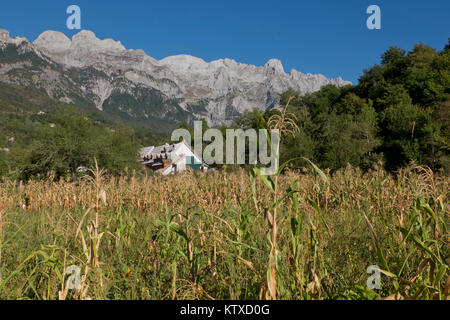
point(73, 141)
point(4, 168)
point(397, 113)
point(61, 142)
point(149, 109)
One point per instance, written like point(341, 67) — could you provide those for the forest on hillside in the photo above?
point(396, 115)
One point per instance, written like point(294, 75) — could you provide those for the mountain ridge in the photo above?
point(134, 84)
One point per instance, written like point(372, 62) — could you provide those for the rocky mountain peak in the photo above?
point(131, 83)
point(75, 52)
point(4, 35)
point(184, 63)
point(5, 39)
point(88, 39)
point(274, 66)
point(53, 42)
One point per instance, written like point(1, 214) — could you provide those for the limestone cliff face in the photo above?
point(179, 87)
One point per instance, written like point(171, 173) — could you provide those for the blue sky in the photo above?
point(315, 36)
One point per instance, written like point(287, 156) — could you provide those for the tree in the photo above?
point(427, 76)
point(397, 110)
point(249, 119)
point(349, 139)
point(336, 127)
point(4, 168)
point(392, 95)
point(73, 141)
point(350, 104)
point(394, 62)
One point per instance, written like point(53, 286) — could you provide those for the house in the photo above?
point(171, 158)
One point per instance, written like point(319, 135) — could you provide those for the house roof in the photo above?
point(156, 151)
point(146, 151)
point(171, 151)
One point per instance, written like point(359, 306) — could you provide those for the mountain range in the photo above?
point(103, 75)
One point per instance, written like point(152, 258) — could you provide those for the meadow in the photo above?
point(304, 234)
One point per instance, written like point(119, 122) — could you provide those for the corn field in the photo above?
point(306, 235)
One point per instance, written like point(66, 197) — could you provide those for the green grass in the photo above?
point(196, 236)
